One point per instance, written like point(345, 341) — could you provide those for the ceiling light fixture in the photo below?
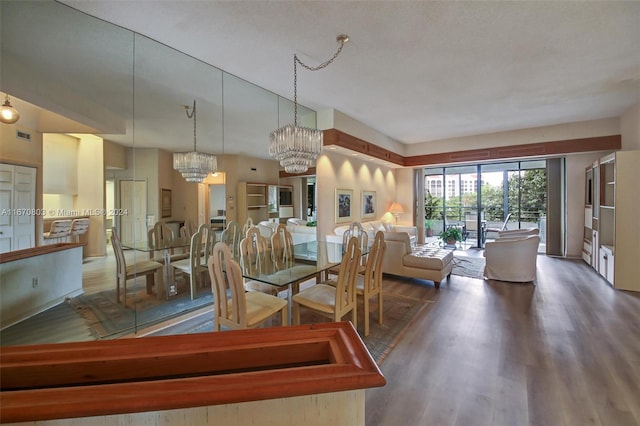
point(8, 114)
point(194, 166)
point(297, 147)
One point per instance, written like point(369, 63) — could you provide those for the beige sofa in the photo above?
point(372, 227)
point(427, 263)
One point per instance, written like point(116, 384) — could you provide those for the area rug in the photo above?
point(399, 314)
point(467, 266)
point(108, 318)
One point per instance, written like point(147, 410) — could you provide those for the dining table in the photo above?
point(167, 248)
point(311, 259)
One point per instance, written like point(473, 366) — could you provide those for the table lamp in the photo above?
point(396, 209)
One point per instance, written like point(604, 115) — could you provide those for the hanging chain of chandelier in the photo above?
point(194, 166)
point(296, 148)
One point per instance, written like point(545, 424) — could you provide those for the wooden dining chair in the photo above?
point(369, 283)
point(355, 230)
point(231, 236)
point(253, 252)
point(162, 236)
point(195, 266)
point(124, 272)
point(333, 301)
point(233, 307)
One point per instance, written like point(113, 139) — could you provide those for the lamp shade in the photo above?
point(396, 208)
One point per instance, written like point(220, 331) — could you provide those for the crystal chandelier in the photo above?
point(194, 166)
point(298, 147)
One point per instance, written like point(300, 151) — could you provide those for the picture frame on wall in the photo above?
point(166, 203)
point(368, 204)
point(344, 205)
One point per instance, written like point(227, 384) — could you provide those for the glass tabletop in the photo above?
point(310, 259)
point(146, 246)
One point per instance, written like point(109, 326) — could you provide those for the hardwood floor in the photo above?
point(565, 351)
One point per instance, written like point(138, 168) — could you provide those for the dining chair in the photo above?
point(160, 236)
point(333, 301)
point(125, 272)
point(231, 236)
point(233, 307)
point(196, 265)
point(369, 283)
point(248, 225)
point(188, 229)
point(355, 230)
point(253, 252)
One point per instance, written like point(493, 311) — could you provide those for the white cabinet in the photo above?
point(615, 222)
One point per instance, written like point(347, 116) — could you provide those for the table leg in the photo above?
point(290, 303)
point(170, 287)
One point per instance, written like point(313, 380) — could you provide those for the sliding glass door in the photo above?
point(486, 196)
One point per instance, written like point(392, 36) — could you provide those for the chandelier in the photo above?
point(194, 166)
point(298, 147)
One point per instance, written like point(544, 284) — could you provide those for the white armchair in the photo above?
point(512, 258)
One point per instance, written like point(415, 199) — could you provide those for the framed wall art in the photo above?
point(166, 203)
point(344, 202)
point(368, 204)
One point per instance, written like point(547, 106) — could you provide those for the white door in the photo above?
point(133, 200)
point(17, 207)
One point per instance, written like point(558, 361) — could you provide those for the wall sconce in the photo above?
point(8, 114)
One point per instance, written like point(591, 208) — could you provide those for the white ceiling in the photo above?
point(416, 71)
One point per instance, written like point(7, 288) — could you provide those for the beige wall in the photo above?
point(60, 164)
point(335, 171)
point(115, 156)
point(91, 191)
point(630, 128)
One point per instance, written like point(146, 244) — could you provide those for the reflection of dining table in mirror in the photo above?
point(170, 287)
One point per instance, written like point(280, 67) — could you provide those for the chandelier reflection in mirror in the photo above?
point(194, 166)
point(298, 147)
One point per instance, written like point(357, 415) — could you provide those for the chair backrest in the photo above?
point(60, 228)
point(233, 314)
point(121, 264)
point(282, 245)
point(209, 239)
point(253, 248)
point(373, 269)
point(188, 229)
point(196, 250)
point(248, 225)
point(231, 236)
point(355, 230)
point(346, 283)
point(79, 226)
point(161, 235)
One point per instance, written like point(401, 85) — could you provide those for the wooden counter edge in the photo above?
point(355, 370)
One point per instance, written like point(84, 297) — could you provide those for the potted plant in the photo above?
point(451, 235)
point(428, 226)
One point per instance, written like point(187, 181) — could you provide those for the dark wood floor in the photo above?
point(565, 351)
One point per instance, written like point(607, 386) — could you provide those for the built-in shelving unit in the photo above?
point(261, 202)
point(612, 219)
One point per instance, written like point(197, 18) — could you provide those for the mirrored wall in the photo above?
point(104, 109)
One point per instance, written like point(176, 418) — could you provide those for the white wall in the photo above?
point(335, 171)
point(630, 128)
